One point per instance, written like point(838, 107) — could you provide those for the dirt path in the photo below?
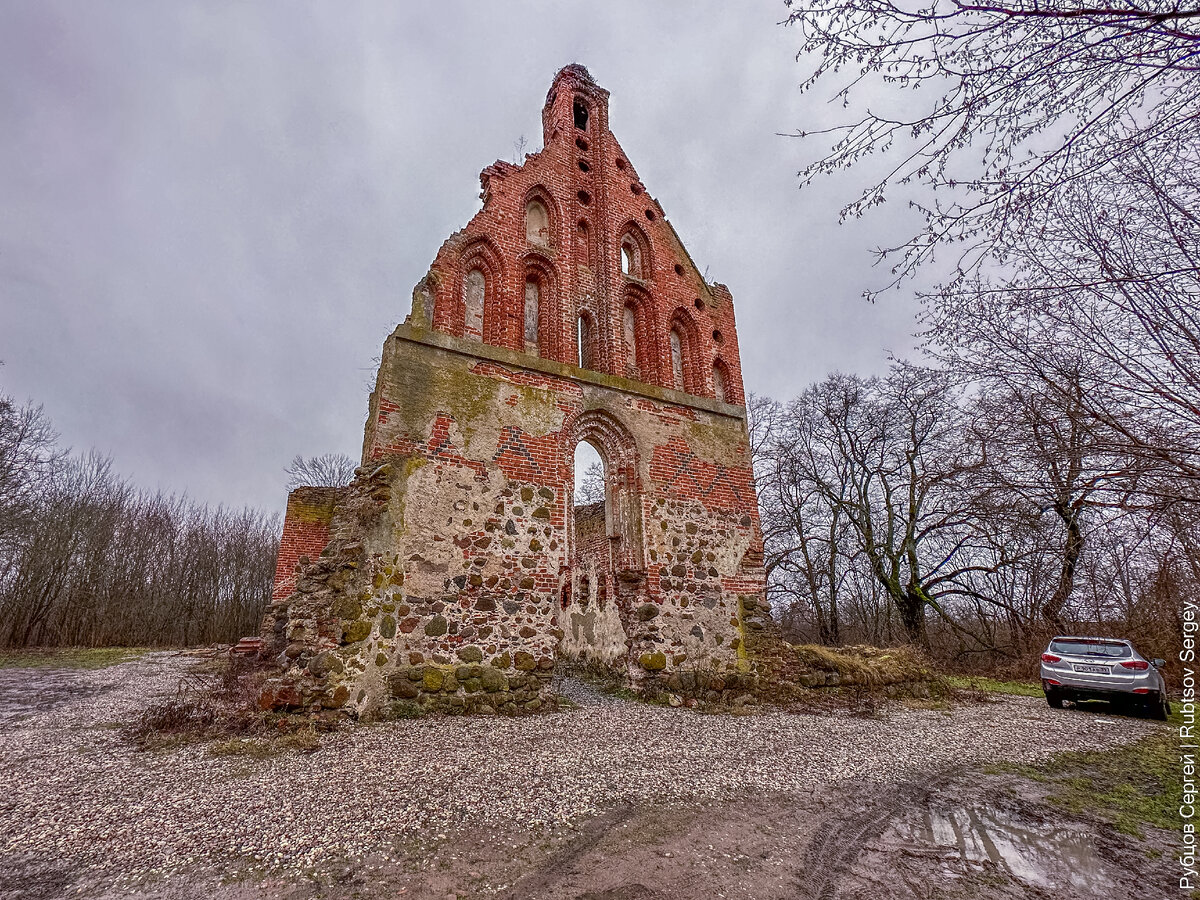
point(607, 800)
point(992, 838)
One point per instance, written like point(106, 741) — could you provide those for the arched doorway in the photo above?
point(604, 573)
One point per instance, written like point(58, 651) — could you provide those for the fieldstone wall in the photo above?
point(453, 549)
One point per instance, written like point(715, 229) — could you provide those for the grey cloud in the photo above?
point(211, 214)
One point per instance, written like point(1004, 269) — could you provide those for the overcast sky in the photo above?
point(213, 213)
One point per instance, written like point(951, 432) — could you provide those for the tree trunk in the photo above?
point(1073, 549)
point(911, 606)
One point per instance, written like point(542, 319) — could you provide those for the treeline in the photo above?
point(974, 519)
point(86, 559)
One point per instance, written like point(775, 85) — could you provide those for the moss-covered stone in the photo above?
point(324, 663)
point(493, 680)
point(524, 661)
point(653, 662)
point(437, 626)
point(433, 679)
point(387, 627)
point(470, 654)
point(355, 631)
point(345, 607)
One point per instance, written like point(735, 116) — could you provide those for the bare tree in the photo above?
point(998, 106)
point(1045, 455)
point(591, 486)
point(326, 470)
point(888, 458)
point(28, 454)
point(1112, 279)
point(800, 487)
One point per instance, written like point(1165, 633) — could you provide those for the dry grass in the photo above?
point(219, 704)
point(868, 666)
point(302, 740)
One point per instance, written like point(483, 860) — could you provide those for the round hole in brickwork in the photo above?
point(635, 189)
point(584, 197)
point(581, 144)
point(620, 163)
point(583, 166)
point(650, 215)
point(678, 269)
point(718, 338)
point(698, 303)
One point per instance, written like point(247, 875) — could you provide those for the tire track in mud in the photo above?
point(840, 840)
point(555, 870)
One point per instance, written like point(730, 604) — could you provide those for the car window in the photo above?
point(1108, 649)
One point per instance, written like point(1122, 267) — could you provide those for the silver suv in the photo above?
point(1085, 668)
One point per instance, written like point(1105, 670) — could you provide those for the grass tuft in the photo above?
point(303, 740)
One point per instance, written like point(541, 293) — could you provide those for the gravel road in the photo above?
point(84, 813)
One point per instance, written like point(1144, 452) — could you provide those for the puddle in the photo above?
point(1043, 855)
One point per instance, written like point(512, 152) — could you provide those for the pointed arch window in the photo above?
point(533, 297)
point(629, 335)
point(585, 243)
point(635, 253)
point(474, 290)
point(677, 361)
point(584, 338)
point(537, 224)
point(718, 376)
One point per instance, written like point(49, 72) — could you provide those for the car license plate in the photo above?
point(1093, 670)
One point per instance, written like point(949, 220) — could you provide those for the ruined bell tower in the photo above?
point(456, 571)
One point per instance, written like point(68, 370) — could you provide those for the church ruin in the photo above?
point(455, 572)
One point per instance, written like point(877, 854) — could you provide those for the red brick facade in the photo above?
point(595, 203)
point(305, 533)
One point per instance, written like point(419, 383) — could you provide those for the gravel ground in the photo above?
point(82, 808)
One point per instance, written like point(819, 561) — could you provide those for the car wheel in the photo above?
point(1054, 698)
point(1160, 707)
